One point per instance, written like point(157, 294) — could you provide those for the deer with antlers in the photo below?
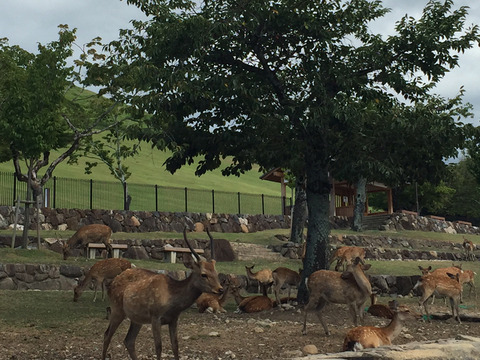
point(447, 286)
point(345, 256)
point(100, 273)
point(469, 247)
point(284, 276)
point(363, 337)
point(88, 234)
point(351, 288)
point(264, 277)
point(146, 297)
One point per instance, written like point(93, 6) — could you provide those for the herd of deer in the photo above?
point(146, 297)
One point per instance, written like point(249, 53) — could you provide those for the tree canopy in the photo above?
point(283, 83)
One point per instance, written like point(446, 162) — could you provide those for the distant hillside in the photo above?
point(147, 168)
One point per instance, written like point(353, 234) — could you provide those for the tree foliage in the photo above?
point(283, 83)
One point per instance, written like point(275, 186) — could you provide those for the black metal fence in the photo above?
point(90, 194)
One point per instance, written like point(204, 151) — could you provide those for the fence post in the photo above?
point(263, 204)
point(213, 201)
point(54, 192)
point(14, 188)
point(239, 202)
point(156, 197)
point(283, 205)
point(186, 199)
point(91, 194)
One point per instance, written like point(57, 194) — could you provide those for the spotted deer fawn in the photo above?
point(448, 286)
point(363, 337)
point(88, 234)
point(284, 276)
point(351, 288)
point(345, 256)
point(469, 247)
point(264, 277)
point(101, 272)
point(146, 297)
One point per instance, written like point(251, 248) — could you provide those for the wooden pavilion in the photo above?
point(342, 196)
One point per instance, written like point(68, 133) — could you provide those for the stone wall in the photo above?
point(143, 221)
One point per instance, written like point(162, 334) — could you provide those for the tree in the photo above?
point(278, 83)
point(40, 111)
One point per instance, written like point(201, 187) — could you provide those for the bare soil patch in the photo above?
point(274, 334)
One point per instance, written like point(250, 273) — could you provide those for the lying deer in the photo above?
point(101, 272)
point(264, 277)
point(146, 297)
point(380, 310)
point(351, 288)
point(213, 302)
point(284, 276)
point(448, 286)
point(249, 304)
point(364, 337)
point(345, 256)
point(88, 234)
point(469, 247)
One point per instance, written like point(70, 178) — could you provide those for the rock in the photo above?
point(214, 334)
point(310, 349)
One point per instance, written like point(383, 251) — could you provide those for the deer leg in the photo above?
point(129, 340)
point(115, 321)
point(321, 304)
point(103, 290)
point(172, 328)
point(157, 336)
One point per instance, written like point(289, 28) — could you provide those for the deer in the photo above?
point(100, 273)
point(469, 247)
point(264, 277)
point(212, 302)
point(465, 277)
point(448, 286)
point(284, 276)
point(345, 255)
point(363, 337)
point(88, 234)
point(146, 297)
point(351, 288)
point(249, 304)
point(380, 310)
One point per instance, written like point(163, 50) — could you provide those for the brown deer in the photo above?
point(101, 272)
point(264, 277)
point(284, 276)
point(249, 304)
point(88, 234)
point(351, 288)
point(465, 277)
point(146, 297)
point(469, 247)
point(380, 310)
point(448, 286)
point(213, 302)
point(364, 337)
point(345, 256)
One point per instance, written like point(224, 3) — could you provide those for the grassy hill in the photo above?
point(147, 168)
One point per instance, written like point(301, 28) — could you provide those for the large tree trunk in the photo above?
point(359, 204)
point(316, 255)
point(299, 216)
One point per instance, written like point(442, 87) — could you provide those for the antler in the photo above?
point(212, 248)
point(194, 253)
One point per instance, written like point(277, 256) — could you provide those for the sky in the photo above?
point(28, 22)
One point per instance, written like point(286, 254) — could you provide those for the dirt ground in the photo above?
point(274, 334)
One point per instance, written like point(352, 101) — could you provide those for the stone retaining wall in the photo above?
point(143, 221)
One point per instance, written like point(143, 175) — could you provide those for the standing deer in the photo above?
point(88, 234)
point(264, 277)
point(469, 247)
point(249, 304)
point(363, 337)
point(351, 288)
point(345, 256)
point(101, 272)
point(284, 276)
point(448, 286)
point(146, 297)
